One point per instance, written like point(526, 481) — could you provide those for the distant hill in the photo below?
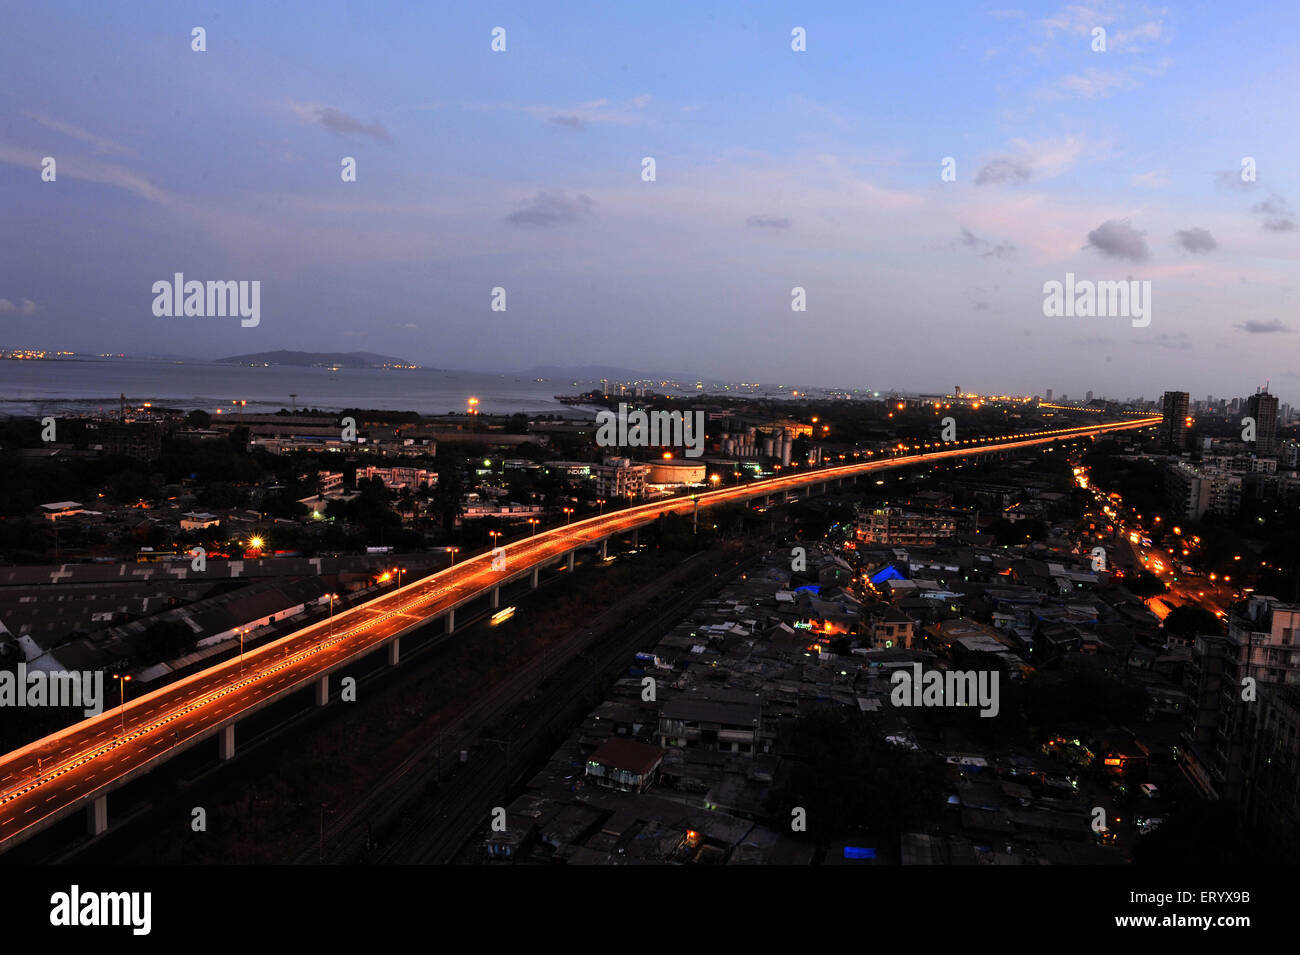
point(319, 359)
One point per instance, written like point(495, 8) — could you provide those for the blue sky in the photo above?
point(774, 169)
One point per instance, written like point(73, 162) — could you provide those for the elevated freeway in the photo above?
point(77, 767)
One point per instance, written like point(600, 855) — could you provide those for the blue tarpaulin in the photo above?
point(887, 573)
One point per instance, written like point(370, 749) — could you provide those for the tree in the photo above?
point(1145, 585)
point(851, 781)
point(1008, 533)
point(449, 492)
point(1191, 621)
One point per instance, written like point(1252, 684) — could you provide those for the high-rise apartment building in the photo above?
point(1228, 734)
point(1173, 423)
point(1263, 408)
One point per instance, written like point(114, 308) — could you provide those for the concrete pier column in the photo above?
point(496, 597)
point(226, 742)
point(97, 816)
point(571, 555)
point(451, 621)
point(604, 548)
point(323, 690)
point(536, 578)
point(395, 652)
point(636, 536)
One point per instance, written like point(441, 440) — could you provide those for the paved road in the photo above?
point(49, 779)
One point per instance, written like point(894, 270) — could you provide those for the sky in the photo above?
point(774, 168)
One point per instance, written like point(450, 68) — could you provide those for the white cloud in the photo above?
point(1154, 179)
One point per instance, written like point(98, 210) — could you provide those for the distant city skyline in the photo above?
point(819, 169)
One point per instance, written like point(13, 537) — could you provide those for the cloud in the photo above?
point(99, 144)
point(337, 121)
point(1123, 39)
point(984, 248)
point(1002, 170)
point(1255, 327)
point(767, 222)
point(1116, 239)
point(1081, 19)
point(1196, 239)
point(1041, 159)
point(586, 114)
point(91, 170)
point(1093, 83)
point(1277, 214)
point(1175, 342)
point(25, 307)
point(1155, 179)
point(1231, 179)
point(551, 208)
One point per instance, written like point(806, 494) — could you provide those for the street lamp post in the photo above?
point(534, 521)
point(601, 502)
point(568, 513)
point(241, 631)
point(122, 681)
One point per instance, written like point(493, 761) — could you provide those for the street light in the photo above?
point(452, 551)
point(534, 521)
point(601, 502)
point(568, 512)
point(241, 631)
point(122, 681)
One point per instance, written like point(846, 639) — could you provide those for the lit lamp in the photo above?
point(122, 681)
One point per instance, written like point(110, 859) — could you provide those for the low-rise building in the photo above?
point(624, 764)
point(893, 525)
point(620, 478)
point(714, 725)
